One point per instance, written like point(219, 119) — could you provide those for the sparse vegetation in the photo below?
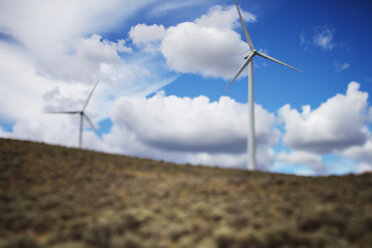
point(59, 197)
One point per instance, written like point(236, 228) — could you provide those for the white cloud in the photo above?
point(96, 51)
point(3, 133)
point(313, 160)
point(194, 127)
point(335, 125)
point(84, 63)
point(362, 154)
point(48, 27)
point(120, 46)
point(166, 6)
point(341, 67)
point(364, 167)
point(208, 46)
point(323, 37)
point(302, 38)
point(304, 172)
point(304, 41)
point(223, 18)
point(142, 33)
point(190, 48)
point(21, 89)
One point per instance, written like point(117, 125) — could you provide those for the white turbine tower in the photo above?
point(251, 143)
point(82, 116)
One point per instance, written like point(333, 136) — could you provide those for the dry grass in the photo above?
point(58, 197)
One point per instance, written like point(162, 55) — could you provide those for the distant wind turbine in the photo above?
point(251, 143)
point(82, 116)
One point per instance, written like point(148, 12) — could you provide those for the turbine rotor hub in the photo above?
point(246, 55)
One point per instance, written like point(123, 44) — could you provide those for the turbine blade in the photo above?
point(249, 59)
point(62, 112)
point(247, 37)
point(90, 95)
point(277, 61)
point(91, 124)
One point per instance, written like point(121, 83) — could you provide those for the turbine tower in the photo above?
point(82, 116)
point(251, 143)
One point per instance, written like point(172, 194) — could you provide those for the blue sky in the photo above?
point(278, 30)
point(163, 67)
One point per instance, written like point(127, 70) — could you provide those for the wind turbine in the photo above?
point(82, 116)
point(251, 143)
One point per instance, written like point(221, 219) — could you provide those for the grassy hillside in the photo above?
point(52, 196)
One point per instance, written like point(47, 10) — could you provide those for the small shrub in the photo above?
point(328, 216)
point(70, 245)
point(250, 238)
point(69, 232)
point(309, 224)
point(359, 226)
point(50, 202)
point(224, 237)
point(21, 241)
point(15, 221)
point(42, 222)
point(100, 231)
point(178, 231)
point(277, 237)
point(129, 240)
point(134, 218)
point(188, 241)
point(238, 221)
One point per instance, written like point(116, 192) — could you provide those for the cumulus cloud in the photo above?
point(362, 154)
point(208, 46)
point(338, 127)
point(323, 37)
point(147, 37)
point(62, 38)
point(84, 64)
point(48, 27)
point(335, 125)
point(190, 48)
point(364, 167)
point(223, 18)
point(194, 126)
point(21, 88)
point(142, 33)
point(313, 160)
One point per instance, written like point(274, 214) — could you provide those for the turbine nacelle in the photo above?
point(247, 54)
